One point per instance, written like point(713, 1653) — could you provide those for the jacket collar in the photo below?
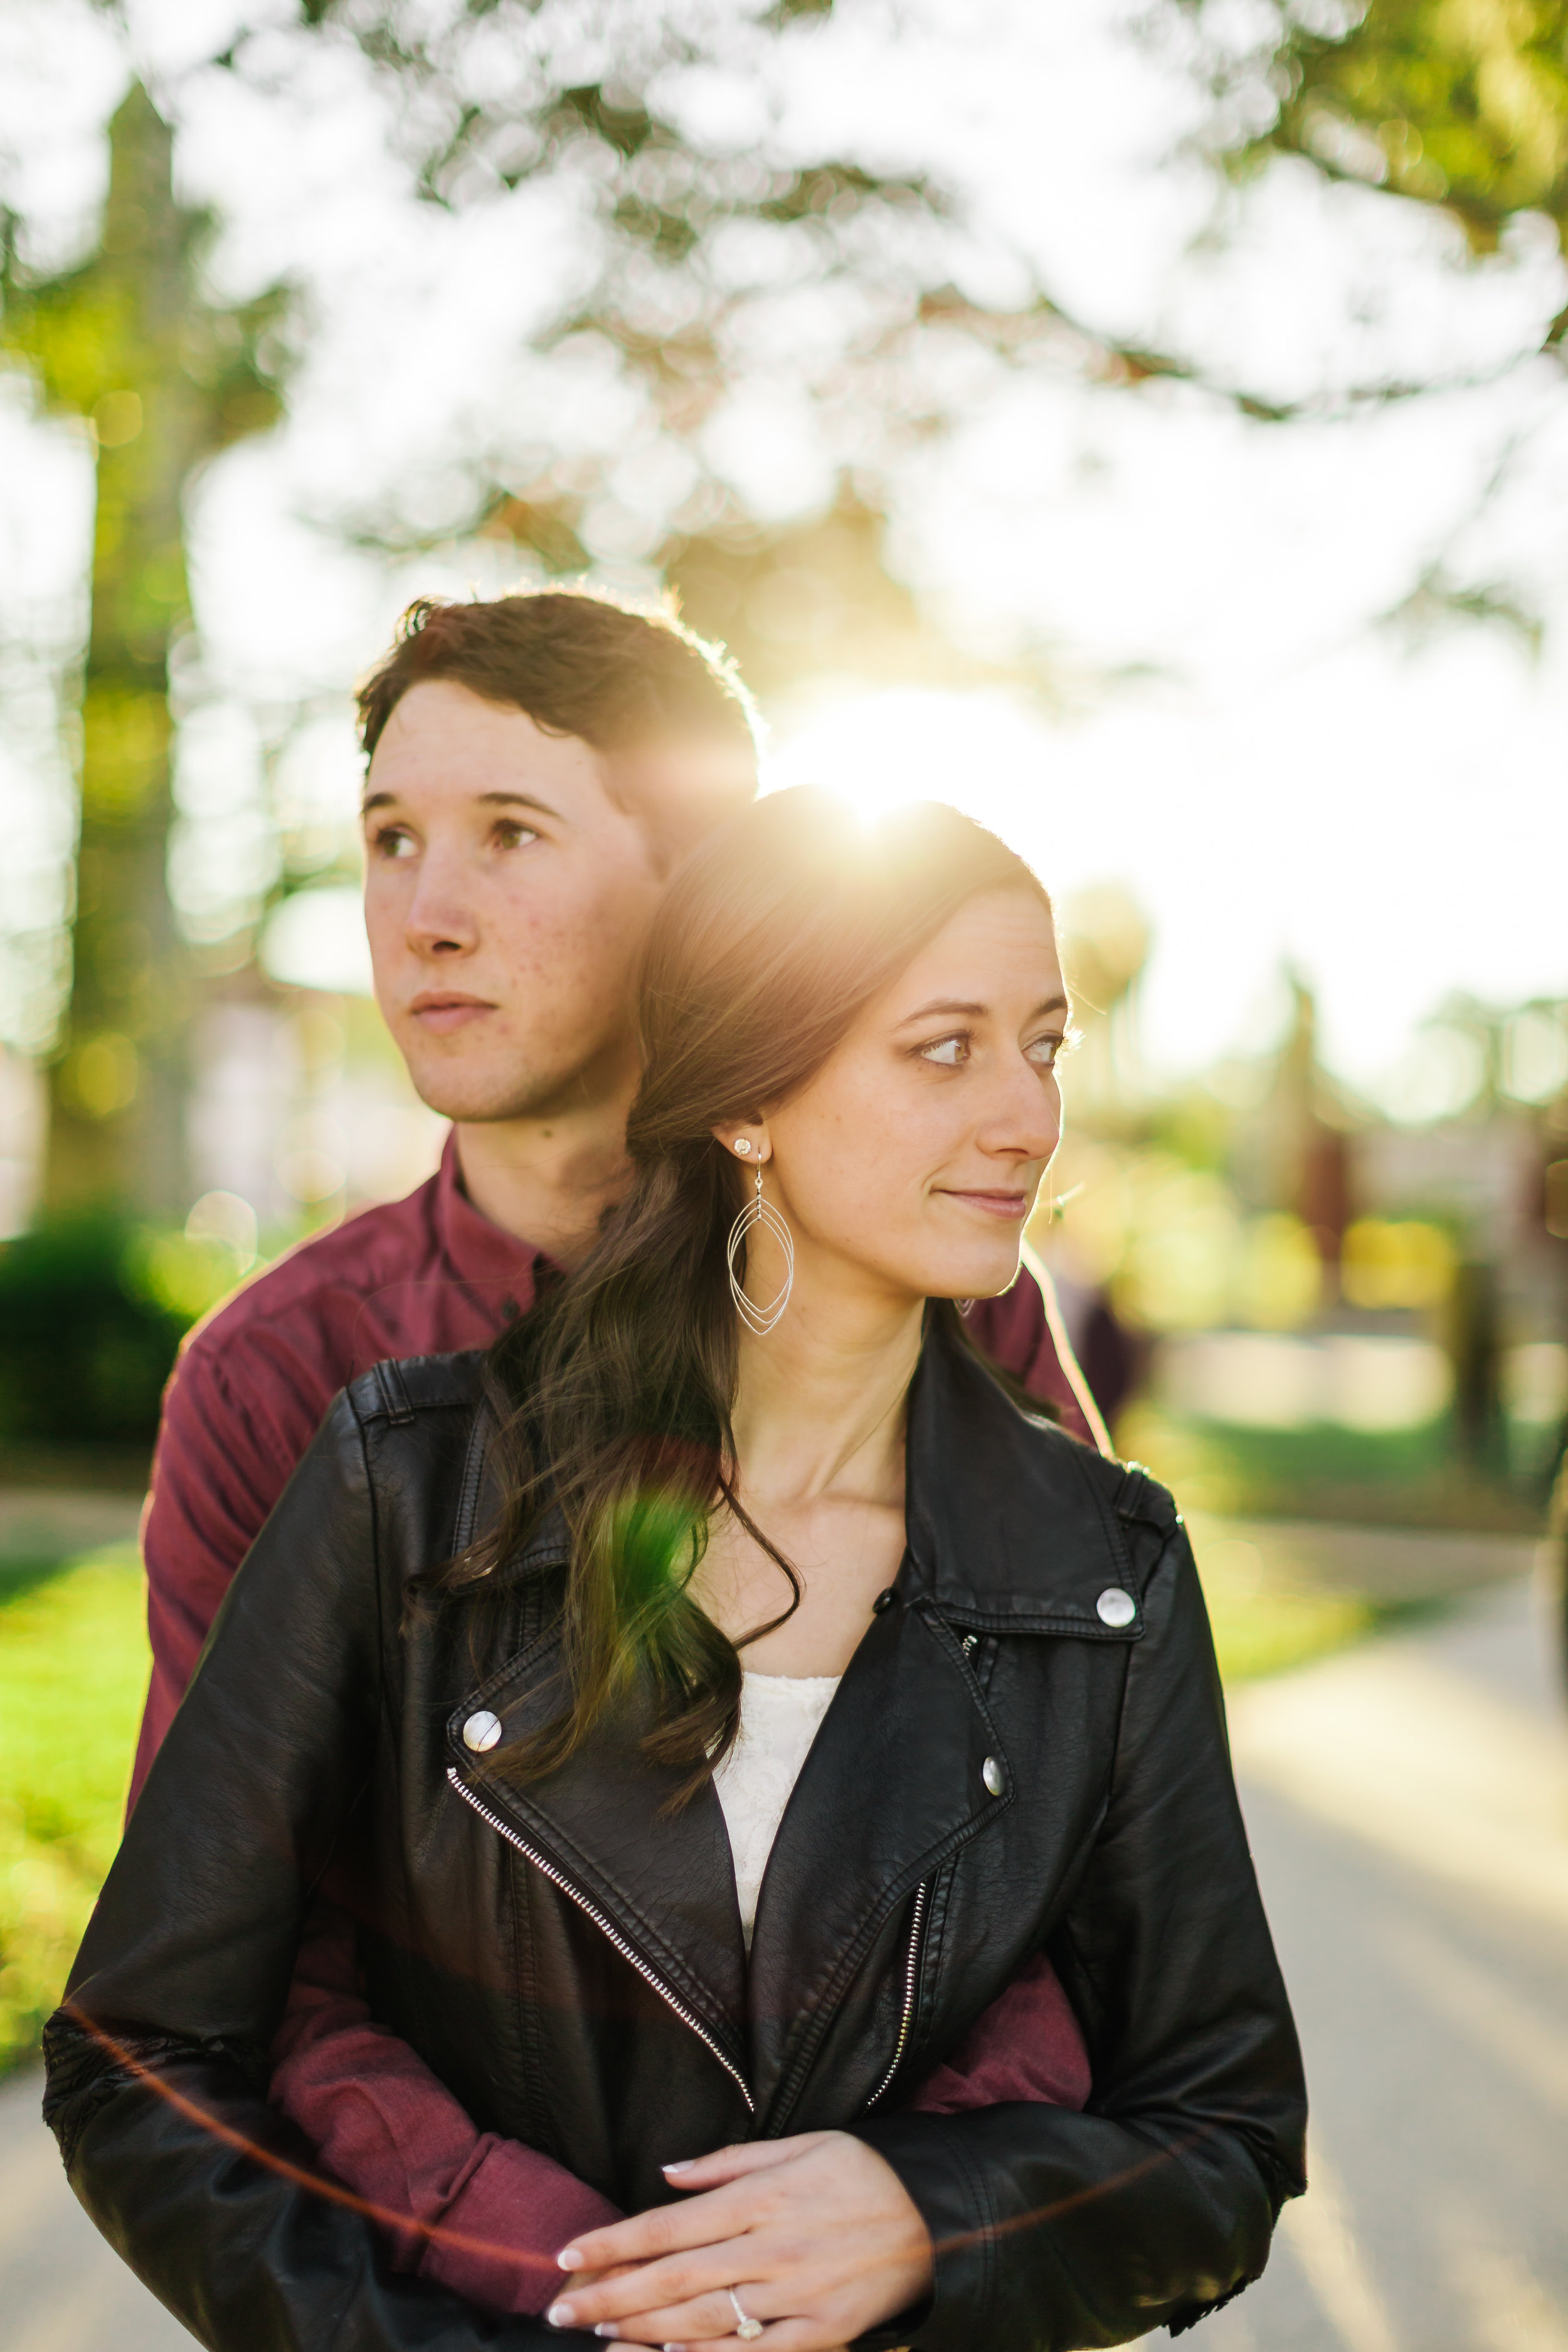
point(1011, 1522)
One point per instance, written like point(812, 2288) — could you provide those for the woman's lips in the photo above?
point(442, 1015)
point(1009, 1207)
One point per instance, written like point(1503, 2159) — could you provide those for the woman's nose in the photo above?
point(1025, 1121)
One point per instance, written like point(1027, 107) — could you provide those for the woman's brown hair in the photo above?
point(614, 1396)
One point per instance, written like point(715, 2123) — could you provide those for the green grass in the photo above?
point(1401, 1479)
point(1263, 1628)
point(73, 1674)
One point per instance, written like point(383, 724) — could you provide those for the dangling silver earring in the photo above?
point(758, 1211)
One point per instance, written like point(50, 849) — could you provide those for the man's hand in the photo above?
point(816, 2235)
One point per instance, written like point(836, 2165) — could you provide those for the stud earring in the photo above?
point(742, 1143)
point(758, 1211)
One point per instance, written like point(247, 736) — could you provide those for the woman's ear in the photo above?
point(747, 1138)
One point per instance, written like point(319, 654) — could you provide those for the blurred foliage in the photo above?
point(1396, 1261)
point(73, 1674)
point(713, 260)
point(161, 380)
point(92, 1310)
point(1461, 103)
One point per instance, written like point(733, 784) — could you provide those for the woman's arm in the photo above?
point(157, 2057)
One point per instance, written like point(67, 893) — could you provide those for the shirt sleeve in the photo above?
point(1026, 2045)
point(234, 1426)
point(483, 2215)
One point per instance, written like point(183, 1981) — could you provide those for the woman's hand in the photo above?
point(817, 2236)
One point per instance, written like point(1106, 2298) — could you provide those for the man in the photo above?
point(538, 765)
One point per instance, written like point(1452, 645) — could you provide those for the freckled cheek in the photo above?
point(534, 942)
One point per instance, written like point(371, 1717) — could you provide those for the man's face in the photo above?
point(506, 897)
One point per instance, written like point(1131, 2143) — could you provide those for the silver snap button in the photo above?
point(1115, 1607)
point(991, 1773)
point(482, 1731)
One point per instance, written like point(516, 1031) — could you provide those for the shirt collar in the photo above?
point(477, 1250)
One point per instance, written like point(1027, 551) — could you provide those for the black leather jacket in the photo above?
point(1005, 1765)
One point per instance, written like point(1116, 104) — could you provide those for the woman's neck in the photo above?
point(819, 1406)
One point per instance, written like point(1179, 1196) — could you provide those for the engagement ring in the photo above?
point(747, 2328)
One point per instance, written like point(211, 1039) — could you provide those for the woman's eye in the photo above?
point(509, 835)
point(948, 1052)
point(1044, 1051)
point(393, 842)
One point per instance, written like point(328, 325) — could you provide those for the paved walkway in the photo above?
point(1408, 1804)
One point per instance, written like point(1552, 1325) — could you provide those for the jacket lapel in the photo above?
point(664, 1884)
point(893, 1786)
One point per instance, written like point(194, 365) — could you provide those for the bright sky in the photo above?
point(1241, 736)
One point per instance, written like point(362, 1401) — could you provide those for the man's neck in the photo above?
point(549, 1180)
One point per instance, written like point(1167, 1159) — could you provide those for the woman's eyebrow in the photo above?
point(944, 1004)
point(976, 1012)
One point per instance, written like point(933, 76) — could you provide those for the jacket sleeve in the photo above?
point(1156, 2204)
point(157, 2057)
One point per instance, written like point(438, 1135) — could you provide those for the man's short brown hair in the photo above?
point(577, 663)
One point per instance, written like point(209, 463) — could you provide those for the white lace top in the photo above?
point(780, 1714)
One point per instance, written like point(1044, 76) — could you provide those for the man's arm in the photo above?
point(237, 1416)
point(487, 2215)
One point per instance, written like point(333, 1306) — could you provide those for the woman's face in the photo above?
point(911, 1160)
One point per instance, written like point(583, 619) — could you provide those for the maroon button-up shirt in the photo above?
point(416, 1277)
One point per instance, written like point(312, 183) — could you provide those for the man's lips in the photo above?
point(442, 1010)
point(1010, 1207)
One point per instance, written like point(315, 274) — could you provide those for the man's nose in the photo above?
point(441, 919)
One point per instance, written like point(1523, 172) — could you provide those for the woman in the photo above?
point(484, 1671)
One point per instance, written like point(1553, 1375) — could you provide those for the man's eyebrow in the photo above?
point(484, 800)
point(976, 1012)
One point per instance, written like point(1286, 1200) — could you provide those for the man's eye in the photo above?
point(949, 1052)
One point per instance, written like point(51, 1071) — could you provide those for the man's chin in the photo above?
point(473, 1098)
point(467, 1105)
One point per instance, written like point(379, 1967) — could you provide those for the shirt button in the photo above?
point(482, 1731)
point(883, 1601)
point(991, 1773)
point(1115, 1607)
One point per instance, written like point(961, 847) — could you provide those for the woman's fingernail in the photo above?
point(561, 2314)
point(569, 2258)
point(605, 2328)
point(684, 2164)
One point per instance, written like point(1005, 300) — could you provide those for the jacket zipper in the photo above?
point(913, 1957)
point(627, 1952)
point(912, 1981)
